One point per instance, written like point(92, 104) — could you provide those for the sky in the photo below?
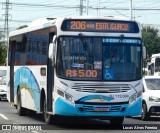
point(22, 12)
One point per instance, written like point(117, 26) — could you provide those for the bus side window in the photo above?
point(149, 67)
point(157, 64)
point(152, 68)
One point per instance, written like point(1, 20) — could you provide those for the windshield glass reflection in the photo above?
point(96, 58)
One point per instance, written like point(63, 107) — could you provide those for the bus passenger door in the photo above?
point(50, 74)
point(11, 63)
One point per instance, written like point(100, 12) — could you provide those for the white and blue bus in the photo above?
point(77, 67)
point(154, 65)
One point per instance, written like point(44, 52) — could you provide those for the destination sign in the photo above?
point(100, 26)
point(116, 40)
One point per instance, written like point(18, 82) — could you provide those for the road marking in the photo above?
point(35, 132)
point(3, 116)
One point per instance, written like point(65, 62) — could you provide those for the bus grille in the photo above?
point(111, 109)
point(101, 88)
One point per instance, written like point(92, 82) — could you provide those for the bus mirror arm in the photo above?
point(144, 53)
point(53, 62)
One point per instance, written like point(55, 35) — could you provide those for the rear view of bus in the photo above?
point(93, 68)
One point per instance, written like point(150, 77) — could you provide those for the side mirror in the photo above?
point(52, 50)
point(144, 53)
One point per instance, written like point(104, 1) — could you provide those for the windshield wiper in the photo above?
point(115, 48)
point(84, 42)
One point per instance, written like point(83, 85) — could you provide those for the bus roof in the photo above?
point(48, 22)
point(155, 55)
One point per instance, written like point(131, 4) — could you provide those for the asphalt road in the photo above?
point(10, 119)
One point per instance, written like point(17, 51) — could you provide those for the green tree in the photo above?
point(151, 39)
point(3, 51)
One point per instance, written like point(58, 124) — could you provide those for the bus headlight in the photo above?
point(132, 98)
point(154, 99)
point(65, 95)
point(69, 98)
point(60, 92)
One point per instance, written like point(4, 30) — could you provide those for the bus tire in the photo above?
point(45, 116)
point(21, 111)
point(117, 121)
point(144, 115)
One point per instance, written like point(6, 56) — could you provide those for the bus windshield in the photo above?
point(99, 58)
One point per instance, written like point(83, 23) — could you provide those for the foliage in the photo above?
point(3, 53)
point(151, 39)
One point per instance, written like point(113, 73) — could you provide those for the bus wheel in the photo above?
point(117, 121)
point(21, 111)
point(144, 114)
point(46, 117)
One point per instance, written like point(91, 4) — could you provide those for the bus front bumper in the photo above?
point(61, 107)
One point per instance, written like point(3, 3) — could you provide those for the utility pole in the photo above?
point(130, 5)
point(87, 6)
point(98, 7)
point(6, 27)
point(81, 7)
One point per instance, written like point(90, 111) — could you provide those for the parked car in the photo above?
point(3, 87)
point(150, 97)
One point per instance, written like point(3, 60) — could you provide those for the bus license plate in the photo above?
point(100, 109)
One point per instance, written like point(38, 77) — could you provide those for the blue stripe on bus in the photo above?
point(61, 107)
point(91, 97)
point(26, 80)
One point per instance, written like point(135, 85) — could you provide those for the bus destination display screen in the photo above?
point(100, 26)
